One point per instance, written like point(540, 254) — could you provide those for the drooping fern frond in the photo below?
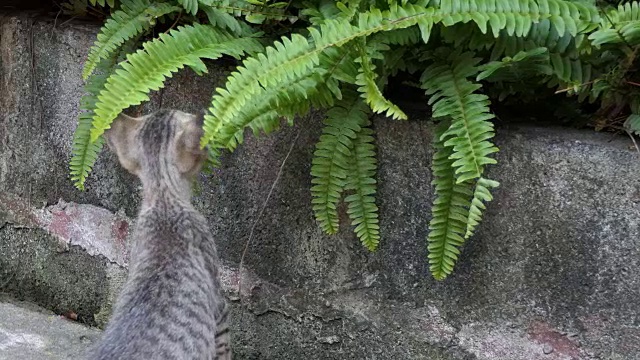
point(292, 58)
point(85, 152)
point(330, 163)
point(450, 209)
point(366, 80)
point(452, 95)
point(362, 169)
point(463, 150)
point(298, 56)
point(134, 17)
point(148, 68)
point(481, 194)
point(288, 99)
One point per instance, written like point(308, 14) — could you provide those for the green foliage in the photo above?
point(147, 69)
point(621, 25)
point(366, 79)
point(86, 152)
point(449, 211)
point(134, 17)
point(345, 160)
point(190, 5)
point(253, 11)
point(454, 96)
point(362, 207)
point(481, 194)
point(331, 161)
point(340, 56)
point(468, 149)
point(632, 124)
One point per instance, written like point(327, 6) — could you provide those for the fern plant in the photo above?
point(339, 56)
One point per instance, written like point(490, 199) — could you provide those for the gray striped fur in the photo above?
point(171, 306)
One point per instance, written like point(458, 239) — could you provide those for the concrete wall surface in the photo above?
point(552, 273)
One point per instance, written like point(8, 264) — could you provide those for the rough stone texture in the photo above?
point(31, 333)
point(550, 274)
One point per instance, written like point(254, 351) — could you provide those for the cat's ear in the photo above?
point(120, 139)
point(190, 156)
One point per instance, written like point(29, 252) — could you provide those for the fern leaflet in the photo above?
point(463, 150)
point(480, 194)
point(454, 96)
point(294, 57)
point(224, 20)
point(84, 151)
point(190, 5)
point(134, 17)
point(366, 80)
point(330, 163)
point(147, 69)
point(621, 25)
point(362, 207)
point(297, 56)
point(449, 211)
point(253, 13)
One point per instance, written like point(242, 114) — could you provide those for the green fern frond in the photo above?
point(481, 194)
point(298, 56)
point(290, 98)
point(133, 18)
point(570, 71)
point(452, 95)
point(366, 80)
point(535, 61)
point(360, 178)
point(406, 37)
point(253, 12)
point(621, 25)
point(632, 124)
point(110, 3)
point(190, 5)
point(224, 20)
point(516, 17)
point(330, 163)
point(317, 12)
point(627, 12)
point(85, 152)
point(462, 151)
point(449, 211)
point(291, 58)
point(147, 69)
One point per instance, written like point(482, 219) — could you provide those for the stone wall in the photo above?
point(552, 272)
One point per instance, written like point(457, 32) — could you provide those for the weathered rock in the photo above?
point(558, 252)
point(31, 333)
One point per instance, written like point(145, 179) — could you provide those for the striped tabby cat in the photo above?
point(171, 306)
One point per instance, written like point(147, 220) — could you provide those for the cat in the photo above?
point(171, 306)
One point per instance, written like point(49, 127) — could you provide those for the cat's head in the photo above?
point(167, 141)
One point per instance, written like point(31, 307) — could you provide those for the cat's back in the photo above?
point(168, 307)
point(171, 306)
